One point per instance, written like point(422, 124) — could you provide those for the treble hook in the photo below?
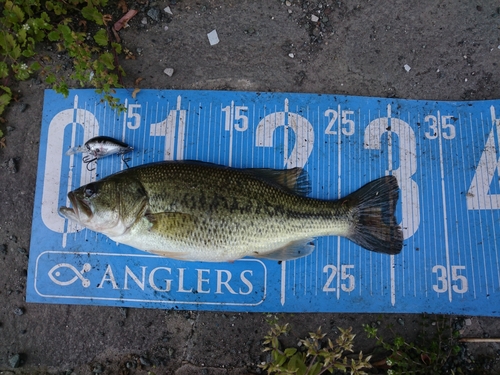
point(88, 167)
point(125, 160)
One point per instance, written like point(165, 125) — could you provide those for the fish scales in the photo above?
point(233, 197)
point(205, 212)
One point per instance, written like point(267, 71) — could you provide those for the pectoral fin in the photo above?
point(291, 250)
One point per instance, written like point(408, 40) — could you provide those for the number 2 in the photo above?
point(331, 270)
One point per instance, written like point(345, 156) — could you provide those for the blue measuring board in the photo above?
point(445, 156)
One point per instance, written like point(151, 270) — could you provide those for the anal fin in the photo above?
point(292, 250)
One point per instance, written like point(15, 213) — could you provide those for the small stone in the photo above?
point(97, 369)
point(11, 165)
point(169, 71)
point(123, 311)
point(401, 321)
point(24, 107)
point(314, 18)
point(144, 361)
point(19, 311)
point(468, 321)
point(144, 21)
point(22, 250)
point(458, 324)
point(407, 67)
point(167, 10)
point(154, 14)
point(213, 38)
point(130, 365)
point(13, 238)
point(288, 3)
point(291, 55)
point(15, 360)
point(3, 249)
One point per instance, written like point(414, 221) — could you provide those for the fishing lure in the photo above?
point(99, 147)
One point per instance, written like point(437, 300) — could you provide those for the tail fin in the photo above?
point(375, 227)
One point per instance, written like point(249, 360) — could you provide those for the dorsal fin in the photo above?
point(295, 180)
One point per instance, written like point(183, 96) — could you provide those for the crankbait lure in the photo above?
point(99, 147)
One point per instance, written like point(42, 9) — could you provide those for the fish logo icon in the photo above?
point(55, 273)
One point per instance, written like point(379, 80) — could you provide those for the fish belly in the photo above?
point(227, 239)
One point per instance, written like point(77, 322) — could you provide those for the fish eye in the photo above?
point(90, 190)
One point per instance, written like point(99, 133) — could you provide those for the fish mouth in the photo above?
point(80, 209)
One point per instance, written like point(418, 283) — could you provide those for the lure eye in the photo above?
point(90, 190)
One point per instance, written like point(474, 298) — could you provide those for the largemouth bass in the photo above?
point(197, 211)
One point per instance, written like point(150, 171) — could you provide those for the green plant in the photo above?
point(436, 345)
point(314, 355)
point(78, 28)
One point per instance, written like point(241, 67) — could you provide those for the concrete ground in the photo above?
point(356, 48)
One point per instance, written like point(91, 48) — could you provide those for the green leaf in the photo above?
point(21, 35)
point(15, 52)
point(28, 52)
point(51, 78)
point(315, 369)
point(35, 66)
point(19, 13)
point(66, 34)
point(101, 37)
point(55, 7)
point(300, 365)
point(340, 366)
point(290, 351)
point(5, 98)
point(21, 71)
point(92, 14)
point(53, 36)
point(399, 342)
point(117, 47)
point(107, 59)
point(4, 69)
point(13, 13)
point(280, 360)
point(62, 88)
